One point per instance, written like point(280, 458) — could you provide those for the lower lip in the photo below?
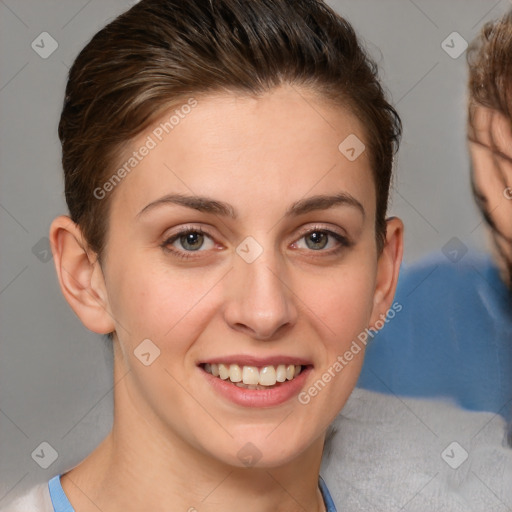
point(258, 397)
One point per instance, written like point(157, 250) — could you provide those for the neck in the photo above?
point(141, 465)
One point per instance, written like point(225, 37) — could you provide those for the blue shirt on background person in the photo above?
point(452, 338)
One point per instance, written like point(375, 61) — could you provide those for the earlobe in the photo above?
point(81, 280)
point(388, 269)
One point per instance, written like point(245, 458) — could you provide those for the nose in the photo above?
point(259, 302)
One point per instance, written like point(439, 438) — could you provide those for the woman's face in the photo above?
point(490, 143)
point(244, 238)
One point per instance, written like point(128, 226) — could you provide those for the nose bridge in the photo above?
point(259, 302)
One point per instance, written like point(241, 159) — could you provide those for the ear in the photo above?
point(80, 276)
point(388, 268)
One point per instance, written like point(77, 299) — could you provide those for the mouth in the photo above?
point(254, 377)
point(256, 381)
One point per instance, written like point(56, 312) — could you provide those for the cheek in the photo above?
point(339, 304)
point(339, 311)
point(152, 301)
point(174, 306)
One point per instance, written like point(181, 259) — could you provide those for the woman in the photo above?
point(227, 170)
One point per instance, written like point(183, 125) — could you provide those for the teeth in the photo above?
point(249, 386)
point(252, 377)
point(281, 373)
point(235, 373)
point(223, 371)
point(268, 376)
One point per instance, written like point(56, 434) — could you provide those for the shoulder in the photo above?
point(35, 499)
point(429, 454)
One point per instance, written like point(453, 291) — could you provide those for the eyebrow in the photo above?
point(208, 205)
point(324, 202)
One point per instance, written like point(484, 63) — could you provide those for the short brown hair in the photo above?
point(489, 59)
point(161, 52)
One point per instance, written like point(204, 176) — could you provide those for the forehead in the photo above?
point(284, 143)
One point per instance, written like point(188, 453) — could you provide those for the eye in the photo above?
point(189, 240)
point(321, 240)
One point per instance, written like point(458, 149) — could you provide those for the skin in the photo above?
point(175, 440)
point(490, 140)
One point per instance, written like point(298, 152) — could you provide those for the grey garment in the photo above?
point(400, 454)
point(36, 499)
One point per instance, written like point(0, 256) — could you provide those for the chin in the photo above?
point(266, 448)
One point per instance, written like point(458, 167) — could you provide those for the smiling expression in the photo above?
point(243, 246)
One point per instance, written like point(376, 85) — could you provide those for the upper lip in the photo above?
point(248, 360)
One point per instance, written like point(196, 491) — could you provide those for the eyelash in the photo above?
point(343, 242)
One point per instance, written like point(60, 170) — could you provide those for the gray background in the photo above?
point(55, 376)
